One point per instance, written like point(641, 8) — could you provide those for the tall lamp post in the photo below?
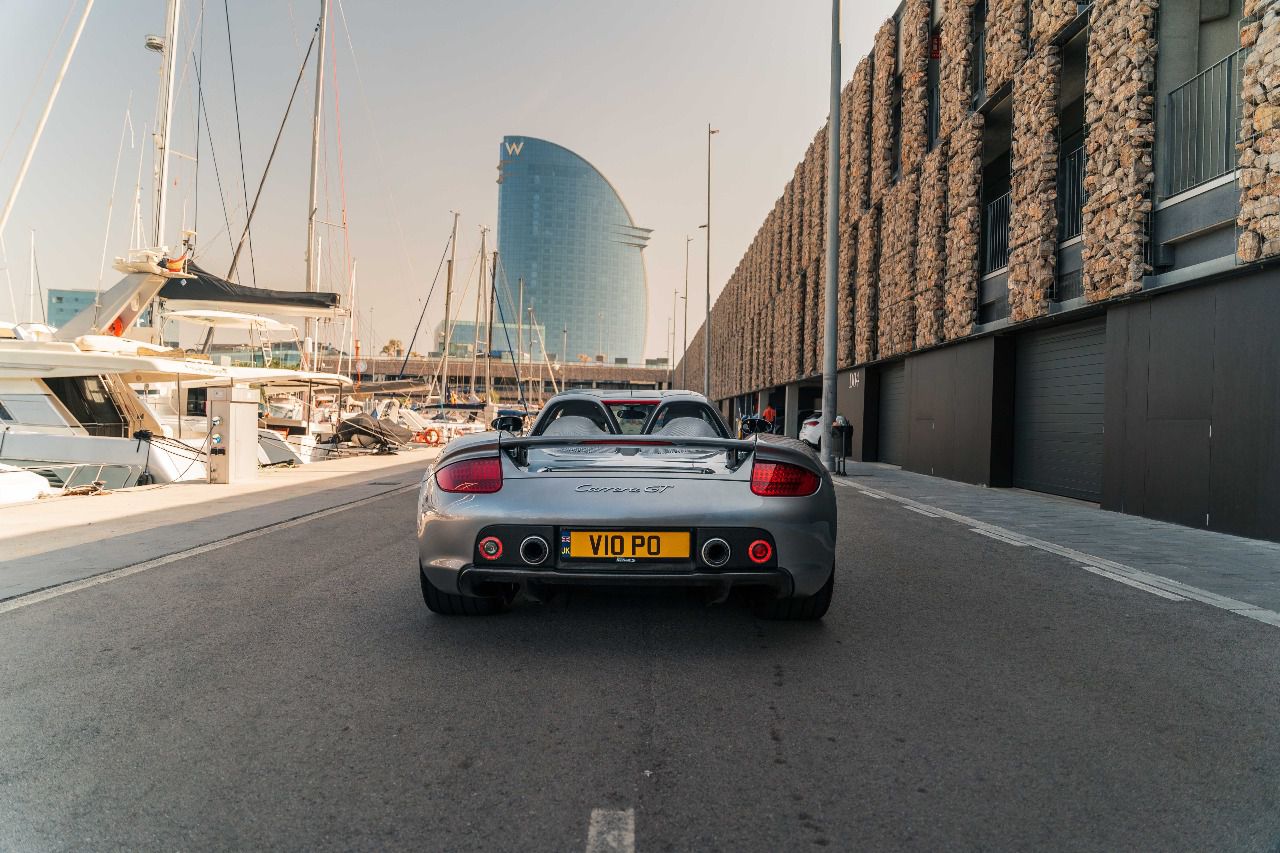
point(684, 374)
point(706, 338)
point(833, 256)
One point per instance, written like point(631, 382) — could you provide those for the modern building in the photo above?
point(65, 304)
point(1059, 240)
point(564, 230)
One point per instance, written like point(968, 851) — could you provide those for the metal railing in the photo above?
point(1071, 194)
point(1068, 285)
point(995, 235)
point(1202, 124)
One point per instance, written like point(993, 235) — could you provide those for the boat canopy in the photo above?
point(229, 320)
point(204, 290)
point(52, 359)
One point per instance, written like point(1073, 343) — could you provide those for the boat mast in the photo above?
point(448, 302)
point(475, 345)
point(164, 127)
point(309, 327)
point(44, 119)
point(488, 345)
point(520, 337)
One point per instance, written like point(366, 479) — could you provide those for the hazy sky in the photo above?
point(630, 86)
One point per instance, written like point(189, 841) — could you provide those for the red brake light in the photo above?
point(472, 476)
point(811, 423)
point(627, 442)
point(782, 479)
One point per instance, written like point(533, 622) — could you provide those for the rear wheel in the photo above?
point(448, 604)
point(804, 608)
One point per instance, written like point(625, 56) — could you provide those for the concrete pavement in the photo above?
point(291, 692)
point(58, 540)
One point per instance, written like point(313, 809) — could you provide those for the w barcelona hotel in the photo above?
point(564, 230)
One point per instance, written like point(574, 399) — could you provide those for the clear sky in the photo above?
point(629, 86)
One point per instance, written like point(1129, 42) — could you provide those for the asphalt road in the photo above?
point(292, 692)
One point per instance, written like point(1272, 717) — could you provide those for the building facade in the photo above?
point(564, 230)
point(1059, 229)
point(65, 304)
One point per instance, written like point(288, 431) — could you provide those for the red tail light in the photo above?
point(811, 423)
point(782, 480)
point(760, 551)
point(472, 476)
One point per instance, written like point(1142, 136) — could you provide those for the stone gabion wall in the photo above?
point(1033, 220)
point(866, 297)
point(859, 133)
point(964, 219)
point(897, 268)
point(930, 265)
point(915, 82)
point(884, 58)
point(1049, 17)
point(1259, 147)
point(1006, 41)
point(1120, 116)
point(909, 247)
point(955, 73)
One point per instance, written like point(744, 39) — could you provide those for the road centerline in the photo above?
point(612, 831)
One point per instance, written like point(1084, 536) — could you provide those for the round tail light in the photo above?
point(760, 551)
point(491, 547)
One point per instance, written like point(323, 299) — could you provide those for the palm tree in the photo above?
point(393, 347)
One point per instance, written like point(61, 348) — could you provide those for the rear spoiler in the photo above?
point(740, 448)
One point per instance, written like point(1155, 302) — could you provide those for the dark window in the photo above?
point(88, 401)
point(197, 401)
point(4, 413)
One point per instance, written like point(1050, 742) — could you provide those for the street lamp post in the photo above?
point(684, 374)
point(706, 338)
point(833, 256)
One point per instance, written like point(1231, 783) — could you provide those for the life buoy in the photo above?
point(116, 328)
point(432, 436)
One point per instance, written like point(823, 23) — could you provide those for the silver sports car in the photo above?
point(630, 489)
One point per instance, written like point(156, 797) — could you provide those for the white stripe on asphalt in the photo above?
point(612, 831)
point(868, 494)
point(125, 571)
point(1133, 583)
point(1114, 570)
point(921, 511)
point(1008, 540)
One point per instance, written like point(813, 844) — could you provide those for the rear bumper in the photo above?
point(472, 579)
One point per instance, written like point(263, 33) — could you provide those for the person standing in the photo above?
point(770, 414)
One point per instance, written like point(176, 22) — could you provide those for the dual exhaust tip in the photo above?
point(534, 550)
point(716, 552)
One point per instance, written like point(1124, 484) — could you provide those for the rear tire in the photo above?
point(448, 604)
point(803, 608)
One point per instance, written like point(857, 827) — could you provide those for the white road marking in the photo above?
point(998, 537)
point(865, 493)
point(125, 571)
point(612, 831)
point(1111, 568)
point(1133, 583)
point(920, 511)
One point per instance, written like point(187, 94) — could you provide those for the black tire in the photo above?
point(803, 608)
point(448, 604)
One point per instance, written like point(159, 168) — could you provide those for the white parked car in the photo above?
point(811, 428)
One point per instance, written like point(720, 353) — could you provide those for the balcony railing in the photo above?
point(1071, 194)
point(1202, 125)
point(995, 235)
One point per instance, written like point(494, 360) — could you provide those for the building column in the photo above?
point(791, 411)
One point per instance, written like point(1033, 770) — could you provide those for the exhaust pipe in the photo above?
point(715, 552)
point(534, 550)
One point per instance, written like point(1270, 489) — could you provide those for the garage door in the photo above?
point(893, 413)
point(1059, 394)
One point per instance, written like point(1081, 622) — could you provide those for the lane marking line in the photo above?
point(612, 831)
point(37, 596)
point(996, 536)
point(1118, 570)
point(1135, 584)
point(920, 511)
point(866, 493)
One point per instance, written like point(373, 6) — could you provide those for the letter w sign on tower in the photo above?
point(513, 148)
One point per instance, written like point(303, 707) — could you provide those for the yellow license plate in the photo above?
point(628, 545)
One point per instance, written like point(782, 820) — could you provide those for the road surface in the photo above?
point(290, 691)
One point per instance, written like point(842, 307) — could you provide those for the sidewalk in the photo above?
point(63, 539)
point(1247, 570)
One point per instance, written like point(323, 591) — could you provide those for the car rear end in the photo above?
point(639, 510)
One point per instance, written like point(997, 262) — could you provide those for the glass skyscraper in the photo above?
point(563, 228)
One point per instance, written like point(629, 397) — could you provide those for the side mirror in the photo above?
point(508, 423)
point(751, 426)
